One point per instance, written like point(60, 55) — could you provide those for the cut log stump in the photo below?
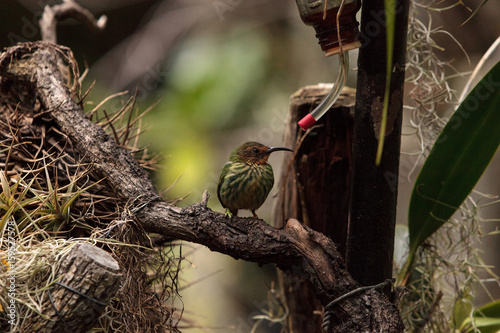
point(89, 278)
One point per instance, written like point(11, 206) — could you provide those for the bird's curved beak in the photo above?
point(273, 149)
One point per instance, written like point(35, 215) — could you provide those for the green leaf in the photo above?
point(390, 19)
point(491, 309)
point(484, 325)
point(458, 159)
point(461, 312)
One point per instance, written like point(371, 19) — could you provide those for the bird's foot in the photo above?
point(228, 213)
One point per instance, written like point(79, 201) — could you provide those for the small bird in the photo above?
point(247, 178)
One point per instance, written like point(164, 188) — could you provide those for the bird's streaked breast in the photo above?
point(246, 186)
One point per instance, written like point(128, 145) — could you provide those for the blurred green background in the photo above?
point(222, 72)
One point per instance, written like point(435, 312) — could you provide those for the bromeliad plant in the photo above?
point(52, 199)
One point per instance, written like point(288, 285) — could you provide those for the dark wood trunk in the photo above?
point(314, 188)
point(375, 188)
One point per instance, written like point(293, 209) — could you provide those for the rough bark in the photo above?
point(296, 249)
point(314, 188)
point(375, 188)
point(89, 271)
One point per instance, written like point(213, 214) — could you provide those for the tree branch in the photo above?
point(68, 9)
point(295, 248)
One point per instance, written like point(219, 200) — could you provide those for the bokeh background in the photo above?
point(221, 73)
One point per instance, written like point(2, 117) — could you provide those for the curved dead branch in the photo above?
point(67, 9)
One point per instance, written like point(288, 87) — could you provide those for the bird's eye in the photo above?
point(255, 151)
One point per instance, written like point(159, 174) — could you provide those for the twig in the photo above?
point(328, 308)
point(68, 9)
point(357, 290)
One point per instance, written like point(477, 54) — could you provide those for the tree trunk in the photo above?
point(370, 242)
point(314, 188)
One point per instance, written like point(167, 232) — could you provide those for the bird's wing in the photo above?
point(221, 179)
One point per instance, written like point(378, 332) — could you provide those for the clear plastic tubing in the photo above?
point(332, 96)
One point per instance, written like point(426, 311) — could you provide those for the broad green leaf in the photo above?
point(491, 309)
point(458, 159)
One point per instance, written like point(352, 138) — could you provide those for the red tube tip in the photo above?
point(307, 122)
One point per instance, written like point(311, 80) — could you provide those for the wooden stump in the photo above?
point(315, 189)
point(89, 278)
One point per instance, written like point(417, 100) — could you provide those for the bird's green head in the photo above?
point(253, 153)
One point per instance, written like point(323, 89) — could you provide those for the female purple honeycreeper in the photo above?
point(247, 178)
